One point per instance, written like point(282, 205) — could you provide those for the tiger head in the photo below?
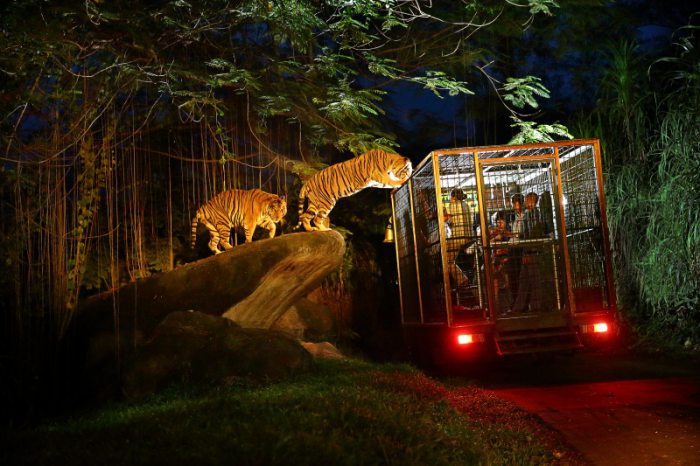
point(277, 208)
point(399, 168)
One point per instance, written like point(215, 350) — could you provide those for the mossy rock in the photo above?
point(200, 349)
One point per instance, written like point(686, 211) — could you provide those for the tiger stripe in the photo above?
point(375, 168)
point(237, 208)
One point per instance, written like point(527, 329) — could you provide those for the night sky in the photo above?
point(425, 122)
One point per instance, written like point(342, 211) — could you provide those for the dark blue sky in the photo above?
point(425, 122)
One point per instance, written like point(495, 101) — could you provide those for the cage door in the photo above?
point(522, 253)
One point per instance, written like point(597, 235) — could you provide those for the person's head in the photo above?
point(517, 201)
point(457, 194)
point(531, 201)
point(501, 220)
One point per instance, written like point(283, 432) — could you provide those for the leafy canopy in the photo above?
point(324, 65)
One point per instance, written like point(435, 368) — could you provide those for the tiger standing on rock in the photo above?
point(373, 169)
point(238, 208)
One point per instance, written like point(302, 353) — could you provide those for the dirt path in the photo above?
point(616, 410)
point(632, 422)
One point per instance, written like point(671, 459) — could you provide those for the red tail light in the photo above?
point(464, 339)
point(601, 327)
point(469, 338)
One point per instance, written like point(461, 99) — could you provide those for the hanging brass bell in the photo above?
point(389, 232)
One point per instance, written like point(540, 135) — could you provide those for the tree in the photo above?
point(323, 64)
point(92, 87)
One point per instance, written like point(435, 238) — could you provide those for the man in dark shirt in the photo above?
point(529, 294)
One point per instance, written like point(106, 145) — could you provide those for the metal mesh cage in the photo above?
point(583, 228)
point(403, 232)
point(464, 255)
point(523, 236)
point(501, 152)
point(526, 267)
point(425, 209)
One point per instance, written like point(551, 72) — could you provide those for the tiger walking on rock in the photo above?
point(375, 168)
point(237, 208)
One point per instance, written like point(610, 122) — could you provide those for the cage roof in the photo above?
point(454, 174)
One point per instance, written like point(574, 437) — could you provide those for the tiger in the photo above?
point(235, 208)
point(375, 168)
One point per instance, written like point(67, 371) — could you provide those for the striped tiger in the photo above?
point(238, 208)
point(375, 168)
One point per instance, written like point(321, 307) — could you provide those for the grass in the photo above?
point(649, 130)
point(344, 413)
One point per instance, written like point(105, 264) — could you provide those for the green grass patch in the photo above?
point(345, 413)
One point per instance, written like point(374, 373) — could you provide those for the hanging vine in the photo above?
point(117, 125)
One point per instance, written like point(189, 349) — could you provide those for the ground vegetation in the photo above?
point(647, 116)
point(344, 412)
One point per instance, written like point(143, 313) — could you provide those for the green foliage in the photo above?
point(344, 104)
point(529, 132)
point(89, 86)
point(542, 6)
point(347, 413)
point(671, 266)
point(438, 81)
point(92, 175)
point(522, 91)
point(231, 76)
point(382, 66)
point(304, 170)
point(293, 57)
point(650, 138)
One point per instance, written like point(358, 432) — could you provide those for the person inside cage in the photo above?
point(458, 228)
point(515, 226)
point(446, 222)
point(546, 210)
point(458, 215)
point(517, 216)
point(500, 259)
point(529, 294)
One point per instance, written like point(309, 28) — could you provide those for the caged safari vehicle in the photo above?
point(504, 250)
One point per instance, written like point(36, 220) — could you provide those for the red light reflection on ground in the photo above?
point(648, 421)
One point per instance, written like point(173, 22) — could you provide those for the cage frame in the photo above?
point(490, 323)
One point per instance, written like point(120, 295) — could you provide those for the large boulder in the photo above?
point(197, 348)
point(253, 284)
point(286, 282)
point(307, 320)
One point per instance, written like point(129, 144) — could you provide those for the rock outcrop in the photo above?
point(196, 348)
point(253, 285)
point(307, 320)
point(288, 280)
